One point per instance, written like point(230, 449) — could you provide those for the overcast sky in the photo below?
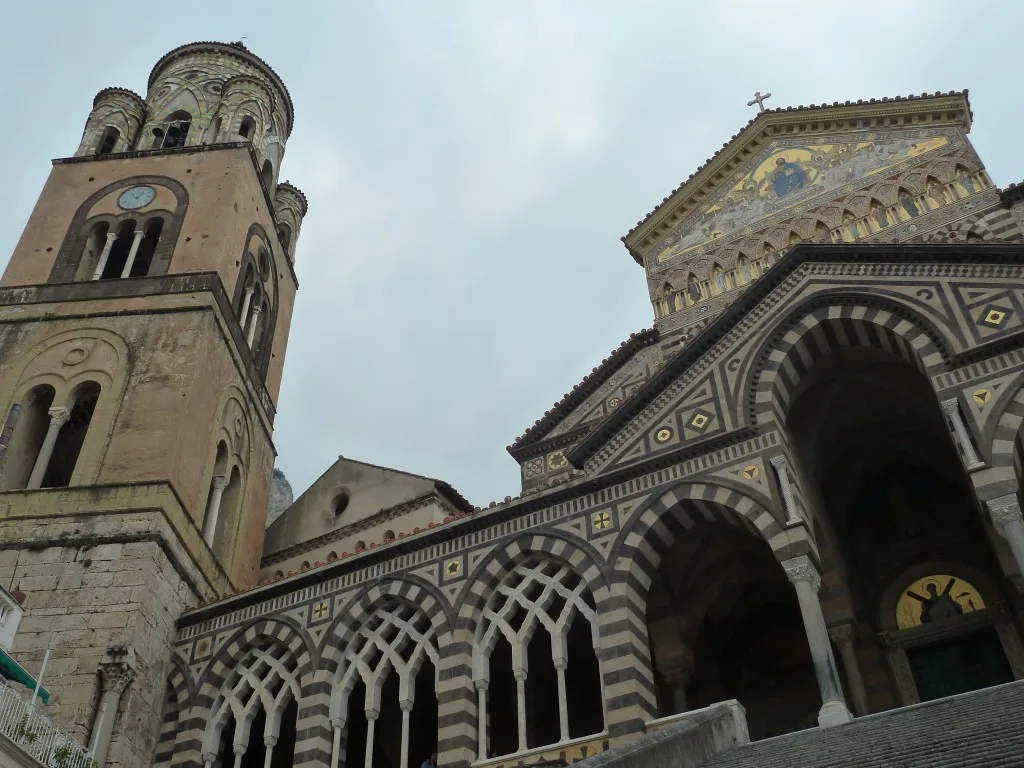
point(470, 167)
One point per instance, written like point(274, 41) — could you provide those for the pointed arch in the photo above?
point(719, 280)
point(828, 322)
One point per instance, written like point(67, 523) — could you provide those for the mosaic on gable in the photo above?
point(786, 177)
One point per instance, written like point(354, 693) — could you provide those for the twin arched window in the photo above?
point(222, 501)
point(45, 439)
point(124, 249)
point(108, 140)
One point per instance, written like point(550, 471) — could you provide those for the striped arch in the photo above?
point(655, 527)
point(179, 694)
point(825, 324)
point(557, 545)
point(1001, 445)
point(398, 624)
point(997, 225)
point(280, 637)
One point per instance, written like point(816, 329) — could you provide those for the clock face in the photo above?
point(136, 197)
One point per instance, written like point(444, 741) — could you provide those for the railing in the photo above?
point(37, 735)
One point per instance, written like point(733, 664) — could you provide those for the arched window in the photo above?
point(215, 497)
point(23, 434)
point(108, 141)
point(529, 634)
point(284, 234)
point(126, 243)
point(91, 251)
point(253, 719)
point(693, 294)
point(822, 233)
point(965, 180)
point(719, 279)
point(390, 663)
point(879, 214)
point(173, 131)
point(247, 128)
point(228, 512)
point(144, 257)
point(743, 269)
point(936, 195)
point(340, 503)
point(851, 224)
point(794, 239)
point(267, 176)
point(59, 466)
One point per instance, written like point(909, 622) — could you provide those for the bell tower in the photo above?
point(144, 318)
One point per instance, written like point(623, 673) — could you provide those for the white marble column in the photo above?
point(406, 707)
point(1007, 519)
point(217, 486)
point(58, 418)
point(254, 317)
point(117, 669)
point(239, 750)
point(563, 701)
point(104, 254)
point(520, 675)
point(243, 315)
point(371, 721)
point(842, 636)
point(130, 261)
point(269, 742)
point(785, 474)
point(337, 725)
point(807, 581)
point(951, 408)
point(481, 719)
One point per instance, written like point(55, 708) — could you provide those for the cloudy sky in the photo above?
point(471, 166)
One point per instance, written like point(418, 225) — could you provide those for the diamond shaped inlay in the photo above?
point(993, 316)
point(700, 420)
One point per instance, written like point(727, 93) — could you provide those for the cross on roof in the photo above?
point(759, 100)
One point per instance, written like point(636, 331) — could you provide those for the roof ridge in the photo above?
point(580, 392)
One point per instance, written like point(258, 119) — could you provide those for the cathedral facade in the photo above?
point(798, 490)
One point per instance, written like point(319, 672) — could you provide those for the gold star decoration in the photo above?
point(453, 567)
point(751, 472)
point(614, 402)
point(982, 396)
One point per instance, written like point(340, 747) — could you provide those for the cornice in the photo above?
point(920, 111)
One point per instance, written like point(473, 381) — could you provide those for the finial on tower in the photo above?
point(759, 100)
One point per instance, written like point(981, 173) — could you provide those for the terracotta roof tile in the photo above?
point(618, 357)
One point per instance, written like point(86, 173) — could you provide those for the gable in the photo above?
point(789, 173)
point(703, 397)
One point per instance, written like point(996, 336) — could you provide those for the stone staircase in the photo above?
point(981, 729)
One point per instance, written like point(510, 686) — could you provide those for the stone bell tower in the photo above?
point(144, 318)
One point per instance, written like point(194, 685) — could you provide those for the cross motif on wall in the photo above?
point(602, 520)
point(321, 610)
point(759, 100)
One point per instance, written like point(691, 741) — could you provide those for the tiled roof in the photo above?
point(570, 400)
point(769, 112)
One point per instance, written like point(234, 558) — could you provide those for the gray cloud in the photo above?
point(470, 168)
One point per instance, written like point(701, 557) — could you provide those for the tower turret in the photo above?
point(114, 122)
point(144, 317)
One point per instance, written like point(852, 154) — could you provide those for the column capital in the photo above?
point(257, 309)
point(481, 685)
point(111, 237)
point(338, 723)
point(951, 406)
point(270, 741)
point(780, 462)
point(118, 668)
point(560, 664)
point(372, 714)
point(405, 705)
point(1005, 511)
point(219, 482)
point(139, 234)
point(801, 569)
point(519, 674)
point(841, 633)
point(239, 749)
point(59, 415)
